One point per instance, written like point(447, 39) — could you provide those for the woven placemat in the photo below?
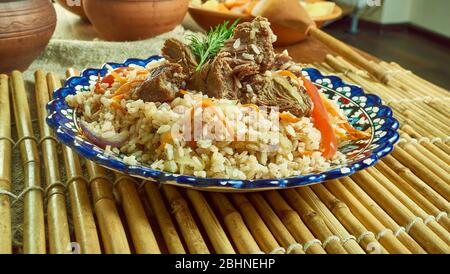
point(61, 203)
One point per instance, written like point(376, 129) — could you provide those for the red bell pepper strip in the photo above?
point(109, 79)
point(321, 121)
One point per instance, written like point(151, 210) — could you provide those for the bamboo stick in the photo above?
point(242, 238)
point(356, 76)
point(82, 214)
point(58, 226)
point(213, 228)
point(437, 152)
point(438, 181)
point(405, 91)
point(410, 204)
point(294, 223)
point(414, 113)
point(168, 230)
point(109, 222)
point(412, 192)
point(411, 75)
point(419, 130)
point(421, 233)
point(144, 240)
point(434, 153)
point(349, 242)
point(425, 128)
point(275, 225)
point(256, 225)
point(186, 222)
point(34, 223)
point(385, 235)
point(361, 77)
point(314, 221)
point(428, 192)
point(437, 106)
point(411, 83)
point(431, 112)
point(381, 215)
point(5, 167)
point(415, 148)
point(414, 134)
point(445, 147)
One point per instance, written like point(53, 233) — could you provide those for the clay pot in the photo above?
point(128, 20)
point(71, 6)
point(26, 26)
point(208, 19)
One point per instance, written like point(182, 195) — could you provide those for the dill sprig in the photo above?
point(208, 46)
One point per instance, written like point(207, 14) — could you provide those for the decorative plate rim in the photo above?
point(387, 142)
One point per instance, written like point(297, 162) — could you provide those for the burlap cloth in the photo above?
point(75, 44)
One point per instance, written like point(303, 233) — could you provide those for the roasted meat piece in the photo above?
point(162, 84)
point(217, 79)
point(238, 71)
point(176, 51)
point(277, 91)
point(247, 53)
point(251, 45)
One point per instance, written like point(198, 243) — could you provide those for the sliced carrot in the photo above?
point(125, 88)
point(118, 106)
point(287, 117)
point(165, 139)
point(118, 98)
point(98, 88)
point(352, 132)
point(208, 102)
point(142, 72)
point(119, 79)
point(287, 73)
point(183, 91)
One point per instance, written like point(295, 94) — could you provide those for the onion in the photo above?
point(116, 141)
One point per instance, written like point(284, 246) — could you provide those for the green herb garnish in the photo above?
point(207, 47)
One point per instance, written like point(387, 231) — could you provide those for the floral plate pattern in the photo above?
point(363, 111)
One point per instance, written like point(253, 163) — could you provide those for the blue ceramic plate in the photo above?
point(363, 111)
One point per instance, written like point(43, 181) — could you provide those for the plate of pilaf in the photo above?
point(222, 113)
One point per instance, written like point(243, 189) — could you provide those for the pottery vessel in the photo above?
point(208, 19)
point(128, 20)
point(26, 26)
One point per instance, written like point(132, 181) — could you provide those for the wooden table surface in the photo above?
point(312, 50)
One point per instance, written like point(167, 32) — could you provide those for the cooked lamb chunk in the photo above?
point(252, 42)
point(247, 53)
point(277, 91)
point(238, 71)
point(216, 79)
point(281, 60)
point(162, 84)
point(176, 51)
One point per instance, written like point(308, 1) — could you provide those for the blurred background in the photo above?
point(412, 33)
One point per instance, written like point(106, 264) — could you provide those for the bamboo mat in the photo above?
point(62, 203)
